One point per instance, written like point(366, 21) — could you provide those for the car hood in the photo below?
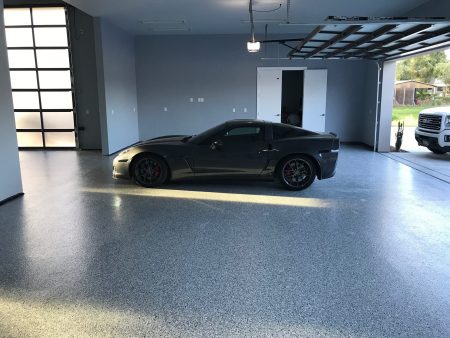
point(436, 111)
point(164, 139)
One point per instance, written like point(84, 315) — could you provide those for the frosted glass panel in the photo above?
point(21, 58)
point(50, 37)
point(55, 79)
point(28, 120)
point(56, 100)
point(25, 100)
point(17, 16)
point(60, 139)
point(30, 139)
point(19, 37)
point(49, 16)
point(52, 58)
point(58, 120)
point(23, 80)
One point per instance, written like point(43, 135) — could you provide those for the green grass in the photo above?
point(408, 114)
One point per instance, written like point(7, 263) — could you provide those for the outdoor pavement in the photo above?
point(420, 158)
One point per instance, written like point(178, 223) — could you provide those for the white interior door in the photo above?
point(268, 103)
point(315, 99)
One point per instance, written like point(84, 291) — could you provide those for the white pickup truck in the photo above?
point(433, 130)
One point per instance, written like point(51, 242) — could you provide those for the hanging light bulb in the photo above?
point(253, 46)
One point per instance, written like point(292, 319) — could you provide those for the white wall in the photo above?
point(10, 180)
point(172, 69)
point(117, 87)
point(387, 97)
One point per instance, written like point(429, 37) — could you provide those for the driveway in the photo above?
point(420, 158)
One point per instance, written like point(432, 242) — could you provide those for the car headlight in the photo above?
point(447, 122)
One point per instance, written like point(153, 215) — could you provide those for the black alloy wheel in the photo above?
point(149, 171)
point(297, 172)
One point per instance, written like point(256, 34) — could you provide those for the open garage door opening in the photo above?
point(421, 91)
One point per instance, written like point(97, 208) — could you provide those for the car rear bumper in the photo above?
point(328, 162)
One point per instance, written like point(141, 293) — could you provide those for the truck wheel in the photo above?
point(436, 150)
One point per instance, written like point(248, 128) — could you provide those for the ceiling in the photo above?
point(155, 17)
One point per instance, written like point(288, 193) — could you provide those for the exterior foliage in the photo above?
point(425, 68)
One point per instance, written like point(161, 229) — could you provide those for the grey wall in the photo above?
point(82, 40)
point(432, 8)
point(369, 116)
point(117, 86)
point(171, 70)
point(10, 180)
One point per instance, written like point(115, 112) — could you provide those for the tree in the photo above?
point(422, 68)
point(444, 72)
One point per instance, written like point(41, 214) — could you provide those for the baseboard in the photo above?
point(9, 199)
point(353, 143)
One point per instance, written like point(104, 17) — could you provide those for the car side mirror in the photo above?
point(216, 145)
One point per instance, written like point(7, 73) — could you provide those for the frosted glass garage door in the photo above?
point(41, 76)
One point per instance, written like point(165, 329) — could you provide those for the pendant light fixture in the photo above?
point(253, 46)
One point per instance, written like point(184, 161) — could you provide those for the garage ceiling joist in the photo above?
point(387, 39)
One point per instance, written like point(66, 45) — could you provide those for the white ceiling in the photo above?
point(229, 16)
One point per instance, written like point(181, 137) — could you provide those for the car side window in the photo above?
point(283, 131)
point(248, 133)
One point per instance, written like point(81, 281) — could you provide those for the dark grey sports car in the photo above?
point(238, 148)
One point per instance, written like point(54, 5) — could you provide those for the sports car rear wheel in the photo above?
point(149, 171)
point(297, 172)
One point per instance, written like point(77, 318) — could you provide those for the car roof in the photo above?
point(240, 121)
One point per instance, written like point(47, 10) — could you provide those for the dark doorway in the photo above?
point(292, 97)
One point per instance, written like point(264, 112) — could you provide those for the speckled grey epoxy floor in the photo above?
point(82, 255)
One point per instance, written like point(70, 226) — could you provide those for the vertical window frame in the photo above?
point(36, 69)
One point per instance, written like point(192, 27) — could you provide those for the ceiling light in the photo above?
point(253, 46)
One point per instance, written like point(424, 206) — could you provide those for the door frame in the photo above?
point(258, 69)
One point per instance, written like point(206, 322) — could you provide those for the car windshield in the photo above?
point(207, 134)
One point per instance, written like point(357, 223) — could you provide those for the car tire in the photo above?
point(436, 151)
point(296, 172)
point(149, 170)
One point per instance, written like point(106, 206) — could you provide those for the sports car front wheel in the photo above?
point(149, 171)
point(297, 172)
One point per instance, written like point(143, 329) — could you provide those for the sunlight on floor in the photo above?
point(33, 318)
point(215, 196)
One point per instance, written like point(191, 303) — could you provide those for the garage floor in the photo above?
point(366, 253)
point(425, 161)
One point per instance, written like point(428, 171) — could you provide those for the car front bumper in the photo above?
point(426, 139)
point(121, 168)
